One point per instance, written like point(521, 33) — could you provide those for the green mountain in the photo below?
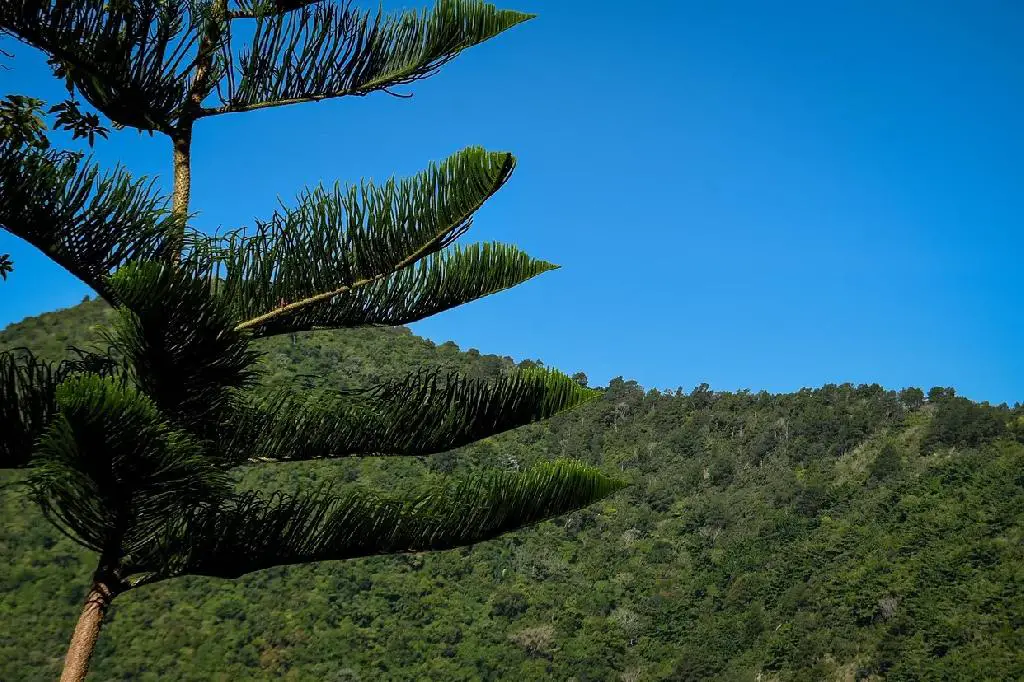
point(846, 533)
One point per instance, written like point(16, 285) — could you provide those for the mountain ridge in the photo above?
point(844, 532)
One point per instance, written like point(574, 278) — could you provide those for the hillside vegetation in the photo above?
point(846, 533)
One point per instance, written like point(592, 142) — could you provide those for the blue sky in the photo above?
point(756, 195)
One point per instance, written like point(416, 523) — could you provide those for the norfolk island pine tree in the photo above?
point(129, 452)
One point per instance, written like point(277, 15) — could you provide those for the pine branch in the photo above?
point(337, 240)
point(91, 224)
point(254, 9)
point(129, 58)
point(420, 415)
point(331, 50)
point(212, 39)
point(179, 344)
point(27, 404)
point(28, 394)
point(250, 532)
point(110, 471)
point(440, 282)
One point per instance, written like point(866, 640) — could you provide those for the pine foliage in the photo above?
point(421, 415)
point(180, 342)
point(368, 254)
point(131, 59)
point(138, 61)
point(111, 470)
point(28, 397)
point(27, 404)
point(252, 531)
point(332, 49)
point(130, 452)
point(88, 221)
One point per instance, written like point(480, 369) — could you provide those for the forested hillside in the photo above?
point(846, 533)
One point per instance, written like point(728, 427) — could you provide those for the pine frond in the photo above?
point(81, 361)
point(338, 239)
point(129, 58)
point(252, 532)
point(331, 50)
point(109, 470)
point(437, 283)
point(179, 343)
point(28, 395)
point(252, 9)
point(28, 388)
point(89, 223)
point(421, 415)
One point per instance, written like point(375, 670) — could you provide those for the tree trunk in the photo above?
point(182, 193)
point(83, 641)
point(202, 86)
point(182, 172)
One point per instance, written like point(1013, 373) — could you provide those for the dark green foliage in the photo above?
point(109, 471)
point(423, 414)
point(128, 59)
point(332, 49)
point(912, 398)
point(88, 222)
point(432, 285)
point(886, 463)
point(366, 255)
point(803, 563)
point(21, 122)
point(135, 61)
point(180, 342)
point(960, 423)
point(81, 124)
point(511, 605)
point(336, 238)
point(131, 465)
point(937, 394)
point(252, 532)
point(28, 397)
point(130, 456)
point(28, 388)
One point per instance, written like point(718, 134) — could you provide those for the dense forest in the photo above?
point(846, 533)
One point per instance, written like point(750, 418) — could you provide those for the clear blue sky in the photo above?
point(757, 195)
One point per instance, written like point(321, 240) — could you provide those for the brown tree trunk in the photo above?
point(202, 86)
point(182, 184)
point(182, 172)
point(83, 641)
